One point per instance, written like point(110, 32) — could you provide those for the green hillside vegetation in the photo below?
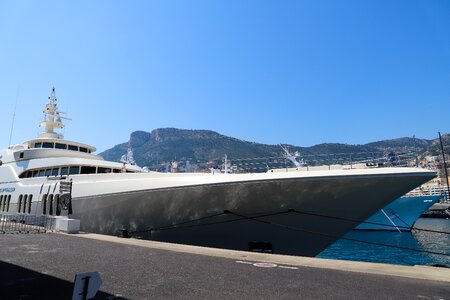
point(205, 148)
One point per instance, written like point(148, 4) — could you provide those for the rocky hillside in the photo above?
point(203, 148)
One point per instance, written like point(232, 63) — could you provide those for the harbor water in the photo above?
point(417, 239)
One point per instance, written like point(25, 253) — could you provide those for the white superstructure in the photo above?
point(282, 209)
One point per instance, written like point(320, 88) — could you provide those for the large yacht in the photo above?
point(296, 213)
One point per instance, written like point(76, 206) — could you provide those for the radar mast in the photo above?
point(52, 119)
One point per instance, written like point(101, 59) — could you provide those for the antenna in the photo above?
point(14, 116)
point(445, 165)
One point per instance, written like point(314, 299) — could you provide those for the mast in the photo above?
point(445, 166)
point(52, 119)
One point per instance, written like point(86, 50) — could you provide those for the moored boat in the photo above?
point(286, 212)
point(400, 215)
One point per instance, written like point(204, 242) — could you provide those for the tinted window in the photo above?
point(41, 173)
point(48, 172)
point(104, 170)
point(47, 145)
point(55, 171)
point(44, 204)
point(73, 148)
point(38, 145)
point(64, 170)
point(50, 204)
point(24, 203)
point(19, 203)
point(74, 170)
point(87, 170)
point(29, 203)
point(82, 149)
point(60, 146)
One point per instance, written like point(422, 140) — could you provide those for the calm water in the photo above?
point(436, 242)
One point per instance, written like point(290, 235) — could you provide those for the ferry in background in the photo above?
point(281, 212)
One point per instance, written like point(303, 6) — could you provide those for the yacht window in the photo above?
point(74, 170)
point(29, 174)
point(50, 204)
point(24, 203)
point(116, 171)
point(73, 148)
point(64, 170)
point(57, 205)
point(44, 204)
point(9, 200)
point(35, 173)
point(60, 146)
point(104, 170)
point(19, 204)
point(41, 173)
point(55, 171)
point(48, 172)
point(87, 170)
point(82, 149)
point(38, 145)
point(47, 145)
point(21, 155)
point(30, 198)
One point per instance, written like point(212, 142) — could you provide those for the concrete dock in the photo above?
point(43, 266)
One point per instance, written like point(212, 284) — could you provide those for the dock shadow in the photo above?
point(20, 283)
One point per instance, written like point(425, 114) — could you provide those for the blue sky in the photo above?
point(297, 72)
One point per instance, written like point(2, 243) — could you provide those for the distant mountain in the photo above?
point(205, 148)
point(405, 143)
point(435, 146)
point(165, 144)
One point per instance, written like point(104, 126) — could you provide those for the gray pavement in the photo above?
point(43, 266)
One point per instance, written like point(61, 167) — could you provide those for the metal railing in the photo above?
point(26, 224)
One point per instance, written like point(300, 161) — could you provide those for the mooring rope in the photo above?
point(241, 217)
